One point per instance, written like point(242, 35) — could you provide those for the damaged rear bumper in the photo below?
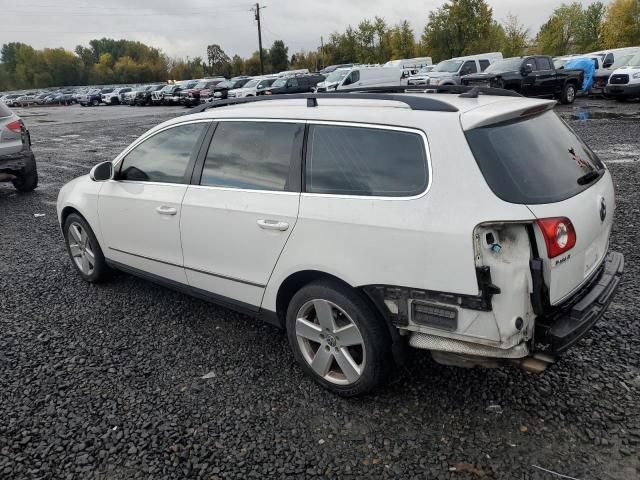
point(15, 162)
point(572, 320)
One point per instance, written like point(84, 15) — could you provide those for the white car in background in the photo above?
point(624, 83)
point(341, 220)
point(252, 88)
point(113, 97)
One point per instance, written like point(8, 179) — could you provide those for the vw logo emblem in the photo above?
point(603, 209)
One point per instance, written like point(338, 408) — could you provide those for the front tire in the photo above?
point(95, 103)
point(568, 95)
point(84, 251)
point(27, 180)
point(338, 339)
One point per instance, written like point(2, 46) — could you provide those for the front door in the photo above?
point(140, 209)
point(238, 217)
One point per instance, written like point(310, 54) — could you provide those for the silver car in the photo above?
point(17, 162)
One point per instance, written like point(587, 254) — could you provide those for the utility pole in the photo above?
point(322, 52)
point(257, 12)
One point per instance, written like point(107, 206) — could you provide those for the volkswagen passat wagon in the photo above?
point(475, 227)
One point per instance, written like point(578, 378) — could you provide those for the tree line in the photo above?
point(457, 28)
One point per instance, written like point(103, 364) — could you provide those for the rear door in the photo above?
point(242, 208)
point(545, 76)
point(540, 162)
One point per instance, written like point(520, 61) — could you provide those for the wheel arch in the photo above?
point(296, 281)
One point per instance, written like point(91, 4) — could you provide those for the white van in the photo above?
point(609, 56)
point(449, 72)
point(413, 63)
point(362, 77)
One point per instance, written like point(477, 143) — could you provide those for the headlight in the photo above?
point(636, 75)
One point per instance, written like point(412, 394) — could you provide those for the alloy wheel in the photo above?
point(330, 342)
point(80, 248)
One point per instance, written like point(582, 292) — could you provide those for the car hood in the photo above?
point(626, 71)
point(440, 74)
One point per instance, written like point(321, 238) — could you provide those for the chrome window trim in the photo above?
point(413, 130)
point(378, 127)
point(144, 138)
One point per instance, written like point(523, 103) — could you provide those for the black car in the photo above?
point(221, 90)
point(533, 76)
point(296, 84)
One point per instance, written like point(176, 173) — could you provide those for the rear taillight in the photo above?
point(15, 127)
point(559, 235)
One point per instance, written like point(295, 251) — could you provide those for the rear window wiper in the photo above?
point(589, 177)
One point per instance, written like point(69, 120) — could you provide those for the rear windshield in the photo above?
point(538, 160)
point(4, 110)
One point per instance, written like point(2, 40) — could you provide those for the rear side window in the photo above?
point(255, 156)
point(164, 157)
point(483, 65)
point(346, 160)
point(533, 161)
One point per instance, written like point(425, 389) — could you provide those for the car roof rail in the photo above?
point(413, 102)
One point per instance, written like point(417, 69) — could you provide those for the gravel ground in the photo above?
point(107, 381)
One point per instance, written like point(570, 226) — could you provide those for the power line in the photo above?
point(256, 10)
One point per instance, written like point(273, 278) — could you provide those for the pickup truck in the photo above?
point(532, 76)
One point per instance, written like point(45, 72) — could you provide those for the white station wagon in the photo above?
point(475, 226)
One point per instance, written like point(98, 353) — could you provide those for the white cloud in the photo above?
point(186, 27)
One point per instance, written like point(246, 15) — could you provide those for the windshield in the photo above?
point(336, 76)
point(506, 65)
point(167, 88)
point(634, 61)
point(449, 66)
point(251, 83)
point(281, 82)
point(201, 85)
point(427, 69)
point(266, 83)
point(532, 161)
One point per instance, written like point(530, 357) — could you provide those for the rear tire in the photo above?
point(568, 95)
point(95, 103)
point(84, 251)
point(338, 339)
point(27, 180)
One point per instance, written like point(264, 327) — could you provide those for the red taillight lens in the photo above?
point(559, 235)
point(15, 127)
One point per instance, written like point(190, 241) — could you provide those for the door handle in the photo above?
point(273, 225)
point(164, 210)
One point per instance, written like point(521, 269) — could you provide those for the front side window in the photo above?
point(468, 67)
point(345, 160)
point(164, 157)
point(254, 156)
point(531, 62)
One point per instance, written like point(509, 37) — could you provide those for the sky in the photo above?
point(182, 28)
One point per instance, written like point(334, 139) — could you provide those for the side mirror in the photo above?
point(102, 172)
point(526, 69)
point(607, 64)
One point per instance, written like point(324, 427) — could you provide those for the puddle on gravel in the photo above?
point(603, 115)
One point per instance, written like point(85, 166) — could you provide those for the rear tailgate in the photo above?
point(591, 213)
point(529, 156)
